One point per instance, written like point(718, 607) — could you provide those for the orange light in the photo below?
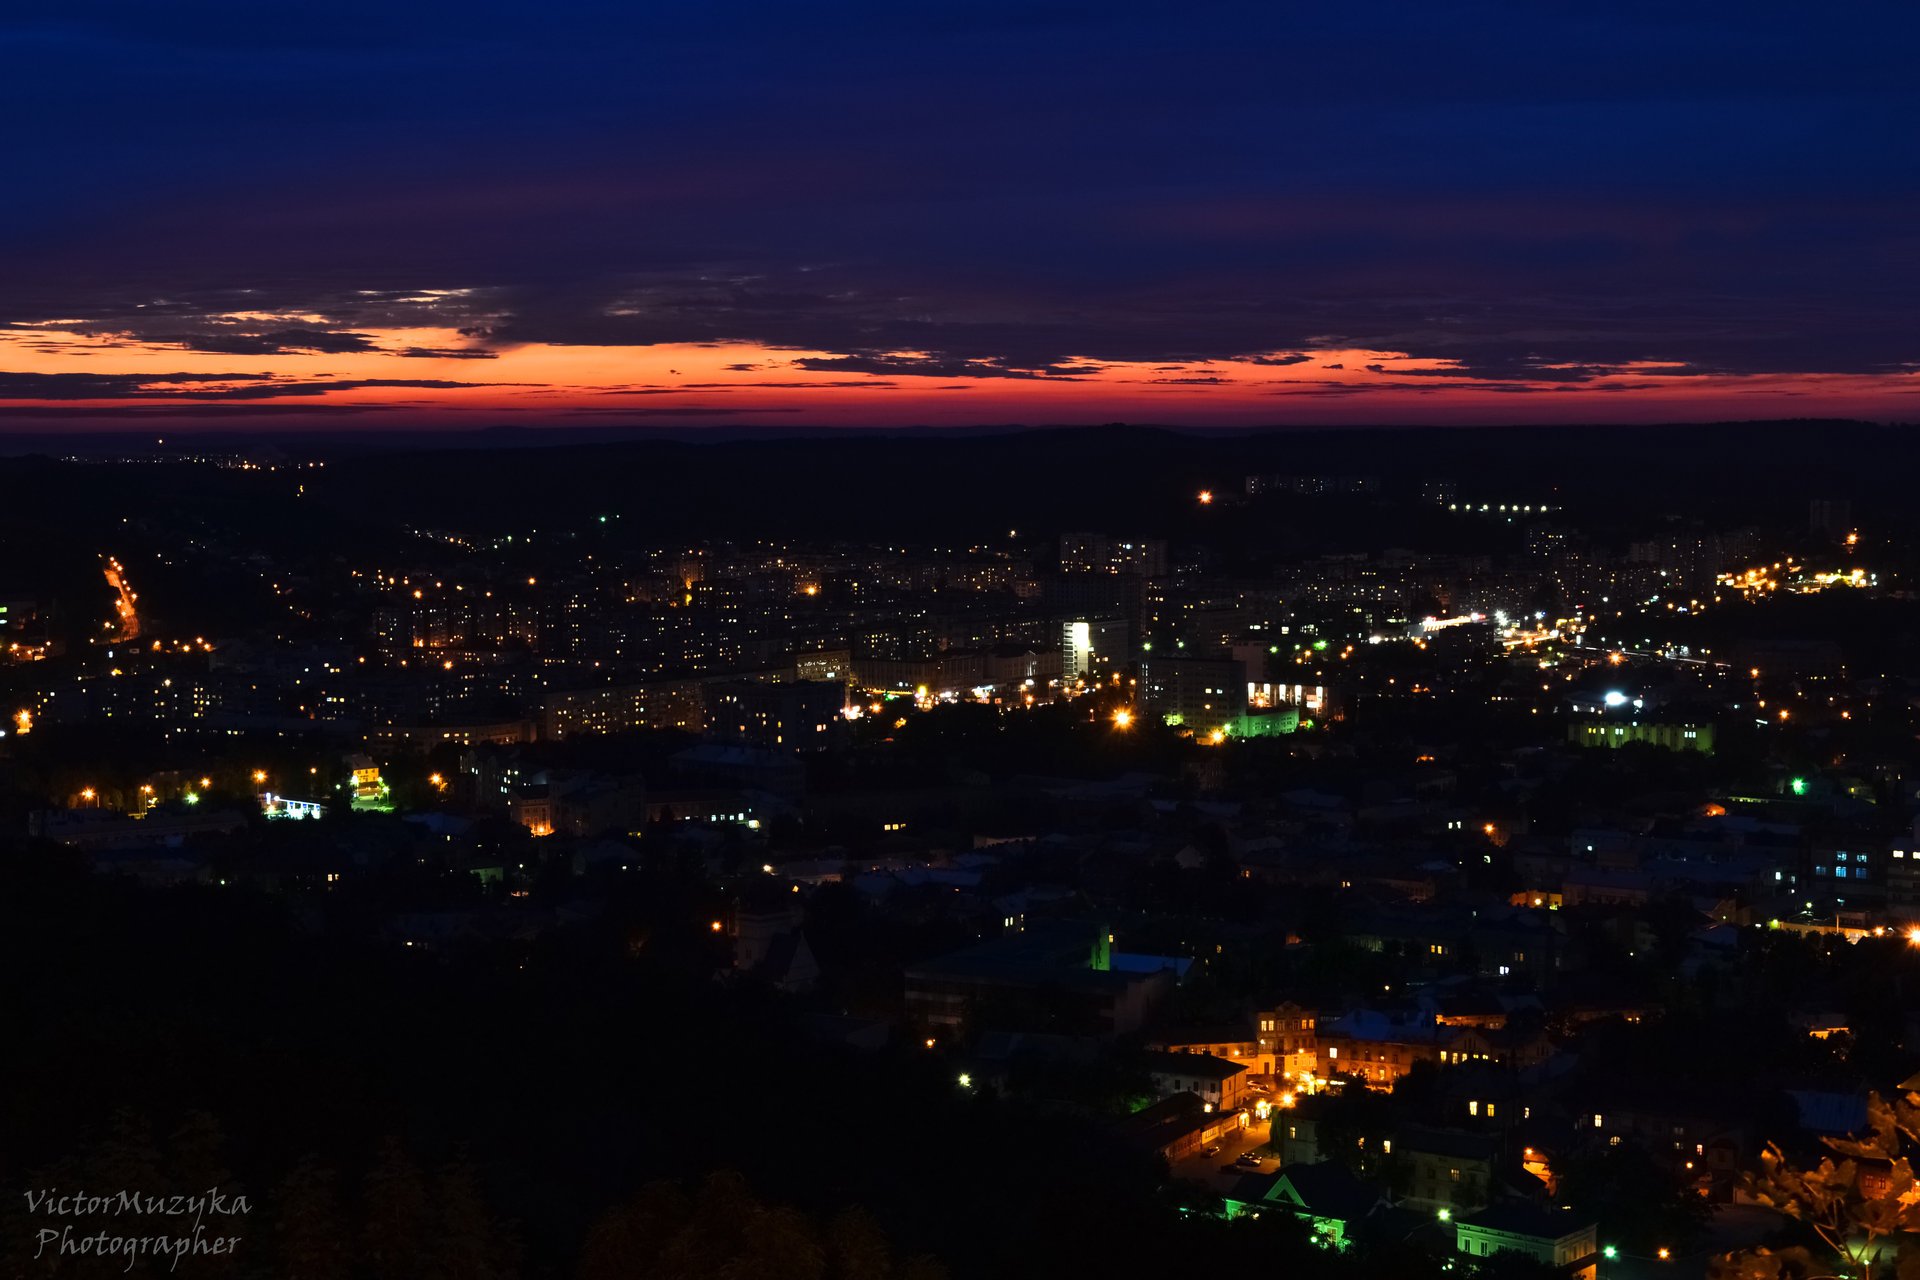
point(1663, 1253)
point(1206, 497)
point(87, 794)
point(715, 926)
point(1122, 718)
point(259, 775)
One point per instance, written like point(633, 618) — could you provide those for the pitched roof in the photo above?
point(1326, 1190)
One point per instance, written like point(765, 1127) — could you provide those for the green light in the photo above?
point(1798, 786)
point(1319, 644)
point(192, 798)
point(1610, 1252)
point(1446, 1215)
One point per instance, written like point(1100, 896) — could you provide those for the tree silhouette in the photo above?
point(307, 1231)
point(1853, 1204)
point(723, 1232)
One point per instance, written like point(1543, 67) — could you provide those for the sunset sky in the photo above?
point(424, 214)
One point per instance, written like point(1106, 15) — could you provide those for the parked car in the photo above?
point(1212, 1150)
point(1248, 1160)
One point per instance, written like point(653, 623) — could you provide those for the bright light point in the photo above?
point(715, 926)
point(1122, 719)
point(1446, 1215)
point(259, 775)
point(1206, 497)
point(966, 1081)
point(1615, 698)
point(193, 797)
point(1663, 1253)
point(1610, 1252)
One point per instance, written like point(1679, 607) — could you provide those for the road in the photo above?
point(124, 606)
point(1206, 1169)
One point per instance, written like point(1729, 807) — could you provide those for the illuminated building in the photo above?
point(824, 665)
point(1566, 1241)
point(1202, 694)
point(1099, 553)
point(276, 806)
point(1618, 733)
point(1092, 645)
point(619, 708)
point(1219, 1082)
point(1331, 1199)
point(799, 715)
point(1447, 1169)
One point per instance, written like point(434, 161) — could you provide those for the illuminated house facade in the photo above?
point(1563, 1240)
point(1618, 733)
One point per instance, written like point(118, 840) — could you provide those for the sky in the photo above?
point(586, 212)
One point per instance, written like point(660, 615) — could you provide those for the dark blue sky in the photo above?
point(1515, 197)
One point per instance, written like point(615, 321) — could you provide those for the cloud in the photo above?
point(938, 366)
point(103, 386)
point(447, 353)
point(272, 342)
point(195, 386)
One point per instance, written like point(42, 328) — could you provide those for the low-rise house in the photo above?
point(1332, 1199)
point(1564, 1240)
point(1219, 1083)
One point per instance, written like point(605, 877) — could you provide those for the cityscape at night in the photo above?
point(874, 643)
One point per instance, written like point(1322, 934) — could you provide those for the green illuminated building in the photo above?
point(1618, 733)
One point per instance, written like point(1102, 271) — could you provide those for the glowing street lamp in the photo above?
point(1123, 719)
point(1206, 497)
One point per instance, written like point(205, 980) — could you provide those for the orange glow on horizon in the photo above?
point(685, 384)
